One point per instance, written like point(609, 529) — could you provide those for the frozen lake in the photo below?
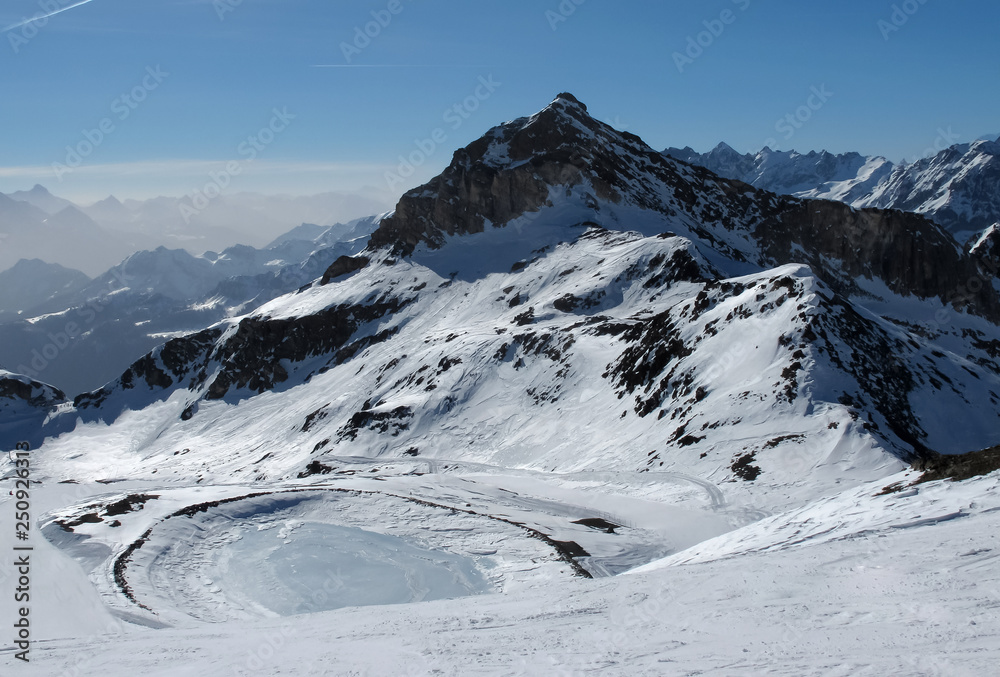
point(317, 567)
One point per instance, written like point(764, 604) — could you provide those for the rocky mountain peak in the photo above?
point(987, 147)
point(510, 170)
point(25, 405)
point(567, 98)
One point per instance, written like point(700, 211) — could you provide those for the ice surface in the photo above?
point(351, 566)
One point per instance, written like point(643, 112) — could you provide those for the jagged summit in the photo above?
point(956, 187)
point(508, 172)
point(523, 167)
point(566, 96)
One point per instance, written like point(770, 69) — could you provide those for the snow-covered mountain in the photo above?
point(40, 197)
point(957, 187)
point(567, 357)
point(562, 271)
point(67, 237)
point(89, 333)
point(31, 283)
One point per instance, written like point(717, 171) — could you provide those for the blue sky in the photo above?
point(225, 69)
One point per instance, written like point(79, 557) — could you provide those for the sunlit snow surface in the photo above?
point(854, 584)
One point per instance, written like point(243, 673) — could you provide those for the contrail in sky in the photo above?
point(44, 16)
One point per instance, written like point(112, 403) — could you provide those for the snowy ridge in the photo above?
point(957, 187)
point(26, 408)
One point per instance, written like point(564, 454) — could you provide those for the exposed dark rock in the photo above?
point(394, 421)
point(314, 418)
point(909, 252)
point(560, 146)
point(315, 468)
point(345, 265)
point(129, 504)
point(959, 467)
point(598, 524)
point(32, 392)
point(744, 468)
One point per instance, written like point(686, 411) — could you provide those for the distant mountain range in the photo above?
point(31, 283)
point(68, 237)
point(959, 187)
point(60, 326)
point(35, 224)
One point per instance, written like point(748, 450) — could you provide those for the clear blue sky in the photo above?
point(939, 70)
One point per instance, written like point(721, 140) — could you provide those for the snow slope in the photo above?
point(903, 584)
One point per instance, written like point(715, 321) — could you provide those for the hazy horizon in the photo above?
point(310, 98)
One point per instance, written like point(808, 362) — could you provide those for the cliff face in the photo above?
point(477, 187)
point(908, 252)
point(511, 171)
point(31, 393)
